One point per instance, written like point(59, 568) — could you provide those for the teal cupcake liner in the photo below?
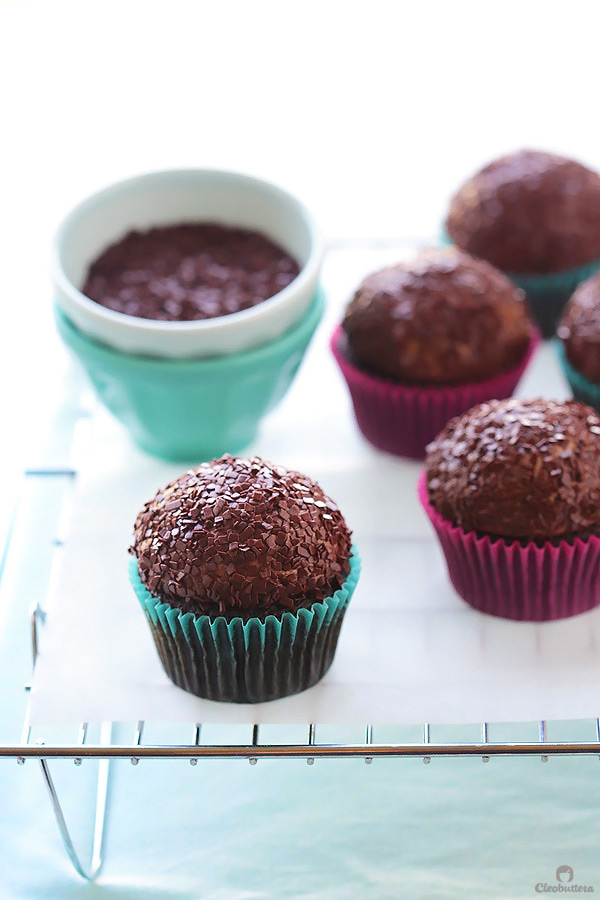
point(583, 390)
point(547, 294)
point(246, 661)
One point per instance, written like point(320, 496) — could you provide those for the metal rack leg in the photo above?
point(90, 872)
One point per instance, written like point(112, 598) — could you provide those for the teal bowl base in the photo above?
point(196, 453)
point(193, 410)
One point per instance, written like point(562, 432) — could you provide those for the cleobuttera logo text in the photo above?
point(564, 877)
point(563, 888)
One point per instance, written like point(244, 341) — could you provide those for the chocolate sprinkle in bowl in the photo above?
point(257, 220)
point(182, 273)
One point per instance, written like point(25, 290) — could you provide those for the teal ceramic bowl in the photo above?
point(193, 409)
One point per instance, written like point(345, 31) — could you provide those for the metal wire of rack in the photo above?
point(311, 749)
point(106, 749)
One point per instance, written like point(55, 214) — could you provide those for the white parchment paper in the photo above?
point(410, 649)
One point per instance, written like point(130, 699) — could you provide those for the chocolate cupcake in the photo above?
point(423, 341)
point(244, 571)
point(513, 491)
point(535, 216)
point(579, 347)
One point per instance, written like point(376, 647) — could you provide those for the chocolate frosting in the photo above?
point(579, 328)
point(188, 272)
point(519, 469)
point(529, 213)
point(443, 318)
point(241, 537)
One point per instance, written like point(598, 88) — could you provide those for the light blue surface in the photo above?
point(281, 829)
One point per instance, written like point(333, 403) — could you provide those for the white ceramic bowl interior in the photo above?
point(171, 197)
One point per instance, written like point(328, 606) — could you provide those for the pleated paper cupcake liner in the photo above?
point(529, 583)
point(246, 661)
point(583, 390)
point(403, 419)
point(547, 294)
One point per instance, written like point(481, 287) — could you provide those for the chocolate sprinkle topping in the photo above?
point(443, 318)
point(241, 537)
point(579, 328)
point(529, 213)
point(188, 272)
point(519, 469)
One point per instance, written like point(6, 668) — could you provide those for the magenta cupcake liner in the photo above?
point(530, 583)
point(403, 419)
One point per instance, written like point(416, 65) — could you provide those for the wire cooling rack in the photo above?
point(48, 488)
point(85, 742)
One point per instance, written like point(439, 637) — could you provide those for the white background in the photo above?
point(372, 112)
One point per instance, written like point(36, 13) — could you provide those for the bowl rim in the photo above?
point(308, 273)
point(285, 343)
